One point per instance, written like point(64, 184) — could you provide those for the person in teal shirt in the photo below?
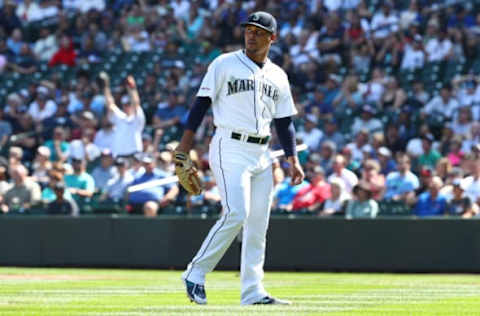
point(80, 184)
point(430, 156)
point(57, 145)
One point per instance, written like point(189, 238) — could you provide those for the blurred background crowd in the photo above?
point(388, 94)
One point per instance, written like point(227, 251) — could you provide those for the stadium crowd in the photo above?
point(388, 94)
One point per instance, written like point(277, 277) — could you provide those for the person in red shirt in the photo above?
point(65, 55)
point(313, 195)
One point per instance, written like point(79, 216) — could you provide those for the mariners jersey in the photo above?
point(245, 97)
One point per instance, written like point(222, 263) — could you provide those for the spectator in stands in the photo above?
point(372, 179)
point(46, 46)
point(443, 169)
point(41, 166)
point(335, 205)
point(116, 188)
point(384, 22)
point(169, 113)
point(43, 107)
point(104, 172)
point(105, 135)
point(59, 148)
point(401, 184)
point(84, 148)
point(128, 123)
point(441, 107)
point(330, 133)
point(340, 172)
point(5, 129)
point(326, 156)
point(8, 19)
point(24, 63)
point(458, 203)
point(472, 183)
point(463, 122)
point(387, 163)
point(367, 121)
point(362, 206)
point(310, 134)
point(312, 196)
point(4, 184)
point(62, 205)
point(431, 202)
point(23, 194)
point(430, 156)
point(161, 195)
point(48, 193)
point(438, 45)
point(61, 117)
point(80, 184)
point(15, 42)
point(65, 55)
point(414, 55)
point(360, 148)
point(455, 154)
point(394, 96)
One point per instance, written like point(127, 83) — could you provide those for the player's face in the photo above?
point(257, 40)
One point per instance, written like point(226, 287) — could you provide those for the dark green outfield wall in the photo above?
point(436, 245)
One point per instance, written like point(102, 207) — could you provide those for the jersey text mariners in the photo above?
point(245, 97)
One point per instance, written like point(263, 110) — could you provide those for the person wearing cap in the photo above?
point(105, 171)
point(162, 195)
point(401, 184)
point(116, 188)
point(246, 92)
point(105, 135)
point(458, 203)
point(431, 202)
point(430, 155)
point(128, 122)
point(80, 184)
point(387, 163)
point(362, 205)
point(367, 121)
point(43, 107)
point(62, 204)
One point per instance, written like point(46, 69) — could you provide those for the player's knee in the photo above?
point(237, 218)
point(150, 209)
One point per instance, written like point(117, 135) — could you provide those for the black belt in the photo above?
point(252, 139)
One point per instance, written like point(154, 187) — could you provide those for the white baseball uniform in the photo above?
point(245, 99)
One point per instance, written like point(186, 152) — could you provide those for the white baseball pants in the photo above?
point(243, 173)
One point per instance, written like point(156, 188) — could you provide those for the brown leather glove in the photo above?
point(187, 173)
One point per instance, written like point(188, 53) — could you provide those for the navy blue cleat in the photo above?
point(196, 292)
point(268, 300)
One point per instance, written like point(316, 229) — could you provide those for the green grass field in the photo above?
point(149, 292)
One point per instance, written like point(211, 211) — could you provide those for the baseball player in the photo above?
point(246, 92)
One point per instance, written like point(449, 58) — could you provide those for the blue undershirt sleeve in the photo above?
point(197, 113)
point(286, 135)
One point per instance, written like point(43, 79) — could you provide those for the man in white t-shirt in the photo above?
point(340, 172)
point(444, 105)
point(129, 123)
point(384, 22)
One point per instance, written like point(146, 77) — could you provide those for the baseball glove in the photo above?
point(103, 80)
point(187, 173)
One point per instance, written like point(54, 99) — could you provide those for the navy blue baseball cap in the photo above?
point(263, 20)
